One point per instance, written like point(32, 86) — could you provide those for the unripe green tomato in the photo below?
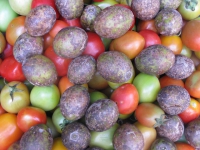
point(105, 3)
point(21, 8)
point(148, 87)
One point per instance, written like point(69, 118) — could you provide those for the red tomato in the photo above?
point(190, 35)
point(30, 116)
point(94, 46)
point(61, 64)
point(8, 51)
point(60, 24)
point(11, 70)
point(183, 146)
point(51, 3)
point(192, 112)
point(2, 111)
point(9, 131)
point(165, 81)
point(48, 40)
point(127, 98)
point(147, 24)
point(74, 22)
point(151, 37)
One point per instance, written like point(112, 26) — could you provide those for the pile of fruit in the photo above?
point(100, 75)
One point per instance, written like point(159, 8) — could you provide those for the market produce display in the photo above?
point(100, 75)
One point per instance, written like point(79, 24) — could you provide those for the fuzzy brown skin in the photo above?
point(81, 69)
point(26, 46)
point(113, 22)
point(39, 70)
point(172, 128)
point(15, 146)
point(145, 9)
point(115, 66)
point(173, 99)
point(37, 137)
point(168, 22)
point(182, 68)
point(163, 144)
point(74, 102)
point(70, 9)
point(128, 137)
point(75, 136)
point(174, 4)
point(88, 16)
point(70, 42)
point(40, 20)
point(155, 60)
point(101, 115)
point(192, 133)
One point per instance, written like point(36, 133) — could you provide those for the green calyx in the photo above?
point(191, 4)
point(14, 89)
point(160, 121)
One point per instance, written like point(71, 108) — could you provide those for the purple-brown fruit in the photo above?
point(173, 99)
point(101, 115)
point(88, 16)
point(113, 22)
point(81, 69)
point(40, 20)
point(145, 9)
point(70, 9)
point(115, 66)
point(39, 70)
point(163, 144)
point(182, 68)
point(192, 133)
point(168, 22)
point(171, 127)
point(75, 136)
point(74, 102)
point(155, 60)
point(26, 46)
point(174, 4)
point(128, 137)
point(70, 42)
point(38, 137)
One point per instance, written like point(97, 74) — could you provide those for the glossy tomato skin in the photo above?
point(147, 24)
point(8, 51)
point(9, 130)
point(127, 98)
point(190, 35)
point(64, 83)
point(192, 112)
point(36, 3)
point(61, 64)
point(73, 23)
point(30, 116)
point(151, 37)
point(183, 146)
point(58, 144)
point(48, 40)
point(94, 45)
point(2, 42)
point(165, 81)
point(11, 70)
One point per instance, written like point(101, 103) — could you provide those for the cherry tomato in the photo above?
point(60, 24)
point(48, 40)
point(192, 112)
point(151, 37)
point(11, 70)
point(2, 42)
point(61, 64)
point(165, 81)
point(64, 84)
point(9, 131)
point(15, 29)
point(58, 144)
point(8, 51)
point(147, 24)
point(183, 146)
point(172, 42)
point(131, 44)
point(30, 116)
point(94, 46)
point(127, 98)
point(74, 22)
point(36, 3)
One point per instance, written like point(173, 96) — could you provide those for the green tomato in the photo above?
point(59, 120)
point(189, 9)
point(45, 97)
point(21, 8)
point(105, 3)
point(103, 139)
point(50, 124)
point(186, 51)
point(122, 116)
point(7, 14)
point(148, 87)
point(96, 95)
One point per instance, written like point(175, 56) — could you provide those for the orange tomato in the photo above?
point(165, 81)
point(9, 131)
point(2, 42)
point(58, 144)
point(172, 42)
point(183, 146)
point(57, 27)
point(64, 84)
point(131, 44)
point(15, 29)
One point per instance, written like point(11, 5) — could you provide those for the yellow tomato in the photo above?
point(58, 145)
